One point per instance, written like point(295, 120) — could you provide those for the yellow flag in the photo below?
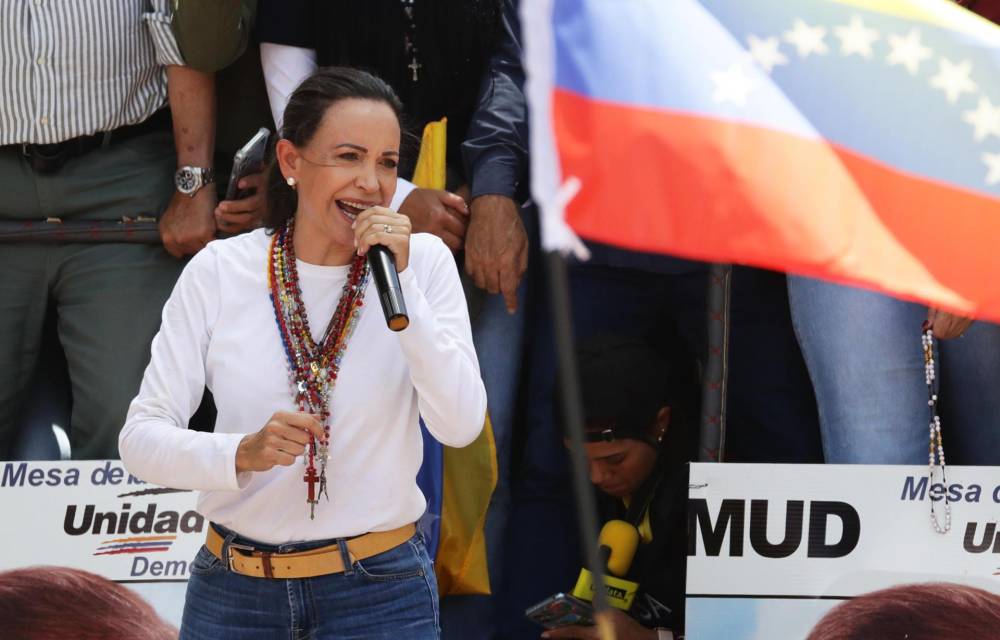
point(430, 172)
point(470, 475)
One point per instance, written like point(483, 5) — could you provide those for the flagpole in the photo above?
point(715, 383)
point(569, 386)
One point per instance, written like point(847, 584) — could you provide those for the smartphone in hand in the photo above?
point(247, 161)
point(561, 610)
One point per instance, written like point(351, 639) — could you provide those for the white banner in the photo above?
point(95, 516)
point(771, 548)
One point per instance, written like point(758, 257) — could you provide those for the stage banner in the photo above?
point(774, 548)
point(95, 516)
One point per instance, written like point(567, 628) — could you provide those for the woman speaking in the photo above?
point(309, 479)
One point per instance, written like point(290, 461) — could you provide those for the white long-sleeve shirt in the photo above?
point(219, 331)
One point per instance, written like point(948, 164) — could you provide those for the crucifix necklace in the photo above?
point(409, 39)
point(312, 366)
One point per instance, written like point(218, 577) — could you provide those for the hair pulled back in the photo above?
point(303, 115)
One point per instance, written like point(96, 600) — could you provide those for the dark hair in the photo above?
point(303, 115)
point(47, 603)
point(625, 381)
point(622, 380)
point(929, 611)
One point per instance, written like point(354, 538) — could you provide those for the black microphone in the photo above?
point(390, 293)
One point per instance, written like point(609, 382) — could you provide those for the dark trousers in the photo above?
point(107, 297)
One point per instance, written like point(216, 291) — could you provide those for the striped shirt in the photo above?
point(76, 67)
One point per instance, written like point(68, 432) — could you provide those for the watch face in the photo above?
point(186, 180)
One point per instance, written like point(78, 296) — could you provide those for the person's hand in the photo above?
point(946, 325)
point(233, 216)
point(379, 225)
point(188, 224)
point(439, 212)
point(496, 247)
point(281, 441)
point(625, 626)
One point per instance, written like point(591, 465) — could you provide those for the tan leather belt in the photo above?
point(321, 561)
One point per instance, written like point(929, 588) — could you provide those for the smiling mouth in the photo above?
point(352, 208)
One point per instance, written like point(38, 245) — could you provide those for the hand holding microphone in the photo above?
point(384, 236)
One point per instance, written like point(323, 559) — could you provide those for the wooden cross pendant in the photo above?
point(311, 478)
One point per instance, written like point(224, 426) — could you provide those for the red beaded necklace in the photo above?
point(312, 367)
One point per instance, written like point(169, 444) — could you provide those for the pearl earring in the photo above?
point(291, 181)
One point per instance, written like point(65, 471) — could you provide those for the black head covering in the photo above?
point(624, 384)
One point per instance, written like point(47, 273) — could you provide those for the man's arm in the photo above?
point(495, 153)
point(496, 146)
point(188, 224)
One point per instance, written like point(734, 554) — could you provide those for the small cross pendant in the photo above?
point(311, 478)
point(415, 66)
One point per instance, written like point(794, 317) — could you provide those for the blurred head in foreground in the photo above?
point(930, 611)
point(56, 603)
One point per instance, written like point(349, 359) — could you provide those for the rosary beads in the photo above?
point(935, 455)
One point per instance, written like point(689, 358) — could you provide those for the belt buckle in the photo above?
point(229, 553)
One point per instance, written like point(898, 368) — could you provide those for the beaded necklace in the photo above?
point(410, 39)
point(936, 447)
point(312, 367)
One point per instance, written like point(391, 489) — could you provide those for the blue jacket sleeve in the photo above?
point(495, 150)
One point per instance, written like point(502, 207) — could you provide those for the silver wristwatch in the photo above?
point(189, 180)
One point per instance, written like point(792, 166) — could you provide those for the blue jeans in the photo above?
point(390, 595)
point(497, 336)
point(864, 356)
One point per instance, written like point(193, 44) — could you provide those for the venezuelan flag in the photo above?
point(853, 140)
